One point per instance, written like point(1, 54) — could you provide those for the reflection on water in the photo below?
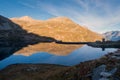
point(52, 48)
point(82, 54)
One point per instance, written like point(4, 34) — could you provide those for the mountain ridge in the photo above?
point(23, 18)
point(112, 35)
point(60, 28)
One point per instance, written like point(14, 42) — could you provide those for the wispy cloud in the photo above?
point(98, 15)
point(27, 5)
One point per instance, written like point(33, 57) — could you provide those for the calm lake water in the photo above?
point(82, 54)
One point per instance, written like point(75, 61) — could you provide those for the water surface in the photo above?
point(82, 54)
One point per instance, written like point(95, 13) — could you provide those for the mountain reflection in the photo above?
point(81, 54)
point(52, 48)
point(15, 39)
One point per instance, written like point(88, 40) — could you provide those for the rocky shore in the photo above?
point(104, 68)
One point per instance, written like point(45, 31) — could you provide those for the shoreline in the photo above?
point(81, 71)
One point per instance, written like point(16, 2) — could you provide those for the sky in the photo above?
point(97, 15)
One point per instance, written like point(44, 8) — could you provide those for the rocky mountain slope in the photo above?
point(6, 24)
point(60, 28)
point(112, 35)
point(14, 33)
point(8, 28)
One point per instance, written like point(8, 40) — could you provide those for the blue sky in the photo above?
point(97, 15)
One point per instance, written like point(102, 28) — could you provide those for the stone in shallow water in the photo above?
point(97, 71)
point(31, 69)
point(108, 74)
point(115, 57)
point(105, 74)
point(104, 79)
point(113, 71)
point(118, 58)
point(116, 54)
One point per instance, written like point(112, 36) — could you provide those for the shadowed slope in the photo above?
point(14, 38)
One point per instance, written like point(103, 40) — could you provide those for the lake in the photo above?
point(81, 54)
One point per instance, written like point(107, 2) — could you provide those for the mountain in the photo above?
point(6, 24)
point(112, 35)
point(13, 38)
point(60, 28)
point(10, 31)
point(31, 36)
point(24, 18)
